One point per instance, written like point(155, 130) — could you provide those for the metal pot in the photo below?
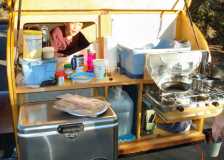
point(200, 84)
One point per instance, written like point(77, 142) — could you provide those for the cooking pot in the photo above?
point(201, 84)
point(175, 86)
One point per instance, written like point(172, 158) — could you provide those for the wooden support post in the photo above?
point(95, 92)
point(139, 110)
point(106, 91)
point(199, 124)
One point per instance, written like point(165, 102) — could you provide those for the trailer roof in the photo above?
point(48, 5)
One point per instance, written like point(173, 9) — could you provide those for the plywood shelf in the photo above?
point(190, 113)
point(117, 80)
point(147, 143)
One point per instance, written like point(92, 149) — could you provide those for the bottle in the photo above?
point(73, 62)
point(123, 106)
point(149, 120)
point(45, 36)
point(77, 63)
point(68, 70)
point(91, 55)
point(60, 75)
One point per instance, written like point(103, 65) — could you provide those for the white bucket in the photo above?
point(32, 45)
point(99, 68)
point(48, 52)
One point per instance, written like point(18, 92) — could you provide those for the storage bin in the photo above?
point(36, 72)
point(132, 61)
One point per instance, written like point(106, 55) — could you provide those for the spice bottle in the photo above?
point(60, 75)
point(45, 36)
point(77, 62)
point(68, 70)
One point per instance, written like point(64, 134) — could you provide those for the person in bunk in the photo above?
point(68, 39)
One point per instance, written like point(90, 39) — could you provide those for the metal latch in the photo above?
point(71, 130)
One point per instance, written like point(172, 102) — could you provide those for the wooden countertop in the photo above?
point(118, 79)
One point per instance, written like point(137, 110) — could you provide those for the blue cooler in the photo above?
point(36, 72)
point(132, 62)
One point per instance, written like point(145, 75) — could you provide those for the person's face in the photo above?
point(73, 28)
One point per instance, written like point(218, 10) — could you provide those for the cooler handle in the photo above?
point(71, 130)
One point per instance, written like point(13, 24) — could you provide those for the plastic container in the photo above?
point(132, 62)
point(36, 72)
point(60, 75)
point(32, 45)
point(68, 70)
point(110, 55)
point(212, 149)
point(48, 52)
point(149, 121)
point(99, 68)
point(124, 108)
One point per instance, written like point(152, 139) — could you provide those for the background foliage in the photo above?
point(209, 17)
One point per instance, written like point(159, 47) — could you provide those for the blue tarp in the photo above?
point(3, 40)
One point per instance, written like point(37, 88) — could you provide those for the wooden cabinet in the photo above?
point(106, 16)
point(160, 138)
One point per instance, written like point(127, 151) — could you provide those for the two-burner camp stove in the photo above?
point(181, 82)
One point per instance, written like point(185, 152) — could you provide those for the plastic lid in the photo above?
point(67, 66)
point(80, 55)
point(82, 77)
point(91, 49)
point(59, 74)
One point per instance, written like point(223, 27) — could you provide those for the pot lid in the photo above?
point(62, 5)
point(168, 66)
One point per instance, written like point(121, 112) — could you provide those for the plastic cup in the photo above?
point(48, 52)
point(99, 68)
point(213, 149)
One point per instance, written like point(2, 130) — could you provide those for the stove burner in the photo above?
point(175, 86)
point(168, 101)
point(177, 95)
point(199, 98)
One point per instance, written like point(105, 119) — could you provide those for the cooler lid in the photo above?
point(49, 5)
point(38, 117)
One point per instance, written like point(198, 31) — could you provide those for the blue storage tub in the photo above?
point(36, 72)
point(132, 62)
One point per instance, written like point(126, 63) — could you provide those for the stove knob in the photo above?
point(180, 108)
point(215, 103)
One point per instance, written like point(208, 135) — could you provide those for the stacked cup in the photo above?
point(99, 68)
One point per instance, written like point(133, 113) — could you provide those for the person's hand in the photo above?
point(59, 54)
